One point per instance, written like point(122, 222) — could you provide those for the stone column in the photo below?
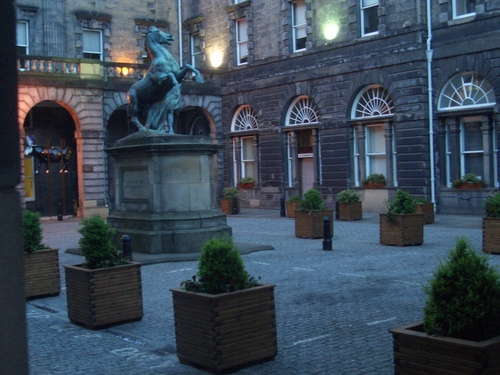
point(13, 342)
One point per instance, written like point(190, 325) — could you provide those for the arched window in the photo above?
point(301, 112)
point(466, 90)
point(465, 104)
point(374, 148)
point(200, 126)
point(244, 134)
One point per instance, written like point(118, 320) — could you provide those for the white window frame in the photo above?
point(459, 8)
point(244, 120)
point(196, 53)
point(366, 6)
point(356, 156)
point(371, 155)
point(299, 29)
point(246, 159)
point(464, 153)
point(90, 51)
point(241, 41)
point(25, 43)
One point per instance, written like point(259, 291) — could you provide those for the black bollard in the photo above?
point(59, 212)
point(327, 234)
point(126, 246)
point(282, 207)
point(235, 206)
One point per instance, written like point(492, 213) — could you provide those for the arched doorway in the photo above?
point(49, 187)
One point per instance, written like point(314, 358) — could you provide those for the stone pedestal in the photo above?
point(165, 192)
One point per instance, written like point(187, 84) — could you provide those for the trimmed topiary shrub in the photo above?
point(220, 269)
point(402, 204)
point(32, 231)
point(313, 201)
point(96, 246)
point(463, 296)
point(348, 196)
point(492, 205)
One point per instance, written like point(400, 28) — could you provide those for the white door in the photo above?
point(306, 174)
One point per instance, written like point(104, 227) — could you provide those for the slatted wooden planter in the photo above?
point(405, 230)
point(310, 224)
point(222, 331)
point(291, 207)
point(416, 352)
point(427, 209)
point(491, 235)
point(350, 211)
point(41, 273)
point(105, 296)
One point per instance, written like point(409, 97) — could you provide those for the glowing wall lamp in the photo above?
point(216, 59)
point(330, 31)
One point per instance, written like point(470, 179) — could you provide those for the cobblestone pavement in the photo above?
point(334, 308)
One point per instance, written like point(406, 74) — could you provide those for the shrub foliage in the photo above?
point(463, 296)
point(402, 204)
point(32, 231)
point(313, 201)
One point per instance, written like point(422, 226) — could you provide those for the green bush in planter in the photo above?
point(348, 196)
point(96, 246)
point(313, 201)
point(492, 205)
point(402, 204)
point(295, 198)
point(32, 231)
point(378, 178)
point(230, 192)
point(463, 296)
point(220, 269)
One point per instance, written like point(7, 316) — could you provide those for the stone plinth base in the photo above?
point(165, 197)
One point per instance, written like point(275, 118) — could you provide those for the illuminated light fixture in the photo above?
point(331, 31)
point(216, 59)
point(124, 71)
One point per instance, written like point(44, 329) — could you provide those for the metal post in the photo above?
point(126, 246)
point(235, 206)
point(327, 234)
point(282, 207)
point(59, 212)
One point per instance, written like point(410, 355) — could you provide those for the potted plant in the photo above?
point(246, 183)
point(491, 224)
point(309, 218)
point(349, 204)
point(461, 326)
point(223, 317)
point(375, 180)
point(106, 289)
point(292, 205)
point(426, 208)
point(468, 181)
point(230, 203)
point(401, 225)
point(41, 263)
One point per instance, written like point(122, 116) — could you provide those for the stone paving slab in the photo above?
point(334, 308)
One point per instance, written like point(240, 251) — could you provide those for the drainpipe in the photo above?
point(429, 53)
point(179, 13)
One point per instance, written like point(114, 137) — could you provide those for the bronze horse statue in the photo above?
point(154, 99)
point(44, 156)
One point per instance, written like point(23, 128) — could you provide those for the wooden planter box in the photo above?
point(291, 207)
point(350, 211)
point(427, 209)
point(405, 230)
point(310, 224)
point(221, 331)
point(105, 296)
point(491, 235)
point(227, 205)
point(415, 352)
point(41, 273)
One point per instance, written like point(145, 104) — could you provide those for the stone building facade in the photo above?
point(302, 94)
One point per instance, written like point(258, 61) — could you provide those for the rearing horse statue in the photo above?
point(154, 99)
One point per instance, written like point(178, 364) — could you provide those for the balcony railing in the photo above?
point(90, 69)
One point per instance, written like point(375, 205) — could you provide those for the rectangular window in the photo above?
point(355, 151)
point(247, 158)
point(92, 44)
point(29, 179)
point(463, 8)
point(471, 149)
point(22, 38)
point(242, 41)
point(299, 25)
point(375, 150)
point(196, 50)
point(369, 17)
